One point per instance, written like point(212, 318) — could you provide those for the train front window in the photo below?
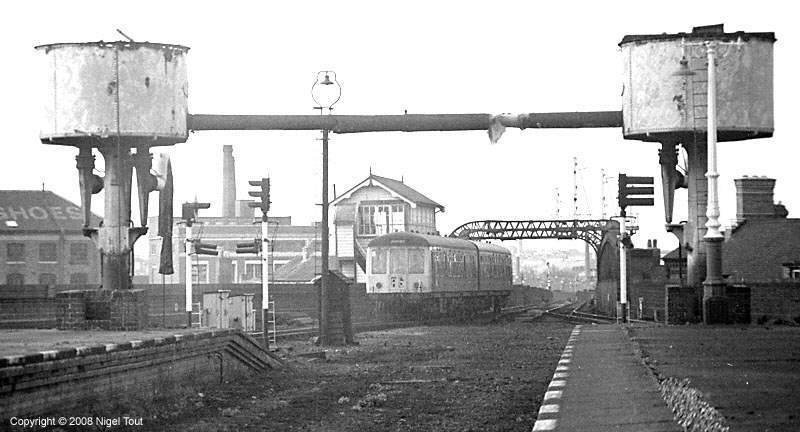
point(416, 261)
point(398, 261)
point(378, 261)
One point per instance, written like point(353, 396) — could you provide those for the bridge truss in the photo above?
point(589, 230)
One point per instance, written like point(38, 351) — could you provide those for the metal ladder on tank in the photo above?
point(699, 88)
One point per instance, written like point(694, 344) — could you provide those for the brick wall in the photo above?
point(772, 300)
point(93, 380)
point(682, 304)
point(28, 312)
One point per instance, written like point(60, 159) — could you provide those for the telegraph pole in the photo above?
point(188, 273)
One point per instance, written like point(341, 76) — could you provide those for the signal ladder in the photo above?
point(270, 324)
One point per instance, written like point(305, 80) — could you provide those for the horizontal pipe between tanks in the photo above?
point(404, 122)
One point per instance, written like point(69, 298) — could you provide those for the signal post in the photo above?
point(263, 193)
point(631, 193)
point(189, 216)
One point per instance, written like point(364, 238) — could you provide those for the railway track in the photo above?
point(311, 331)
point(570, 312)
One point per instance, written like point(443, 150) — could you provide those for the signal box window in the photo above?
point(398, 261)
point(416, 261)
point(79, 253)
point(378, 261)
point(15, 252)
point(47, 252)
point(15, 279)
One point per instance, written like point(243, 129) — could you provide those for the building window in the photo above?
point(47, 279)
point(47, 252)
point(79, 253)
point(78, 279)
point(200, 272)
point(252, 271)
point(381, 219)
point(366, 220)
point(15, 279)
point(15, 252)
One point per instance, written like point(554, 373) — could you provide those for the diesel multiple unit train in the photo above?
point(425, 275)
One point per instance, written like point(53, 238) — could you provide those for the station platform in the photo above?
point(601, 385)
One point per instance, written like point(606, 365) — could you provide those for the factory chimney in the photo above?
point(228, 182)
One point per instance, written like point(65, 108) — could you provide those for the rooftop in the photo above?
point(397, 186)
point(40, 211)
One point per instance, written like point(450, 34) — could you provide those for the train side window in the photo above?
point(378, 261)
point(398, 261)
point(416, 261)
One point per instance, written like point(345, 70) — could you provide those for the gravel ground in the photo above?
point(749, 374)
point(440, 378)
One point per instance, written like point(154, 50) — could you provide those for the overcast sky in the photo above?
point(423, 57)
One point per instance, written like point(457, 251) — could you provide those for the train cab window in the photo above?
point(416, 261)
point(398, 261)
point(378, 261)
point(440, 263)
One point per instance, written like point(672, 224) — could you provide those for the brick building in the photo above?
point(764, 245)
point(287, 242)
point(236, 225)
point(374, 207)
point(760, 259)
point(42, 241)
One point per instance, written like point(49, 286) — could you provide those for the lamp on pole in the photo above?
point(714, 285)
point(325, 92)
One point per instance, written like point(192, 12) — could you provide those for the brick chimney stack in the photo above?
point(228, 182)
point(754, 198)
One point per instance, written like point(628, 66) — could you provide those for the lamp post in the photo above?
point(325, 92)
point(713, 285)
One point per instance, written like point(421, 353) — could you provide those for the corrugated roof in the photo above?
point(40, 211)
point(397, 187)
point(758, 248)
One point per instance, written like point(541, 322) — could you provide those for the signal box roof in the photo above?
point(395, 187)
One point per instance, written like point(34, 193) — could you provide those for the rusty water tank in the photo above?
point(136, 91)
point(661, 99)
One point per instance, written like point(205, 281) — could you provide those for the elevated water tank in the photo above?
point(137, 91)
point(661, 99)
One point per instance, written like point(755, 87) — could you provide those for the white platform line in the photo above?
point(549, 409)
point(553, 394)
point(544, 425)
